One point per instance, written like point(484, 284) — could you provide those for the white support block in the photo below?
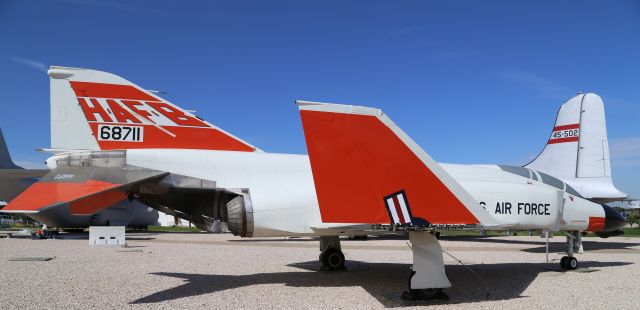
point(107, 235)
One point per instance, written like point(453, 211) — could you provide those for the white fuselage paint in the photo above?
point(284, 200)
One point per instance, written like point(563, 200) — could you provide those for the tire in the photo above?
point(333, 259)
point(563, 262)
point(423, 294)
point(572, 263)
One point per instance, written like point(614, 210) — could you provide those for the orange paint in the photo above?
point(357, 161)
point(186, 138)
point(175, 115)
point(90, 111)
point(121, 114)
point(102, 90)
point(595, 223)
point(95, 203)
point(44, 194)
point(190, 132)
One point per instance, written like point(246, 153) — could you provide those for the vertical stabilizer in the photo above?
point(5, 158)
point(578, 149)
point(95, 110)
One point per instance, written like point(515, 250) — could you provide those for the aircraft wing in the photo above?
point(86, 189)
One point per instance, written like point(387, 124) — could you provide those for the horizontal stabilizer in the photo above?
point(367, 170)
point(86, 189)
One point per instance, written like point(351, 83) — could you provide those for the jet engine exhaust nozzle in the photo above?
point(613, 223)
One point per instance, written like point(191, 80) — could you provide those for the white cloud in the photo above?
point(625, 152)
point(30, 63)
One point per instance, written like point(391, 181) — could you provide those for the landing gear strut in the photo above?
point(428, 278)
point(574, 244)
point(331, 255)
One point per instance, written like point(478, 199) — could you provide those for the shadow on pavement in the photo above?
point(556, 244)
point(384, 281)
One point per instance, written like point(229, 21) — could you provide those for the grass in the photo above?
point(632, 232)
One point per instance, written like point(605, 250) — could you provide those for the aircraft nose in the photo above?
point(613, 220)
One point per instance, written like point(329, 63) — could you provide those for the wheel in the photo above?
point(563, 262)
point(569, 263)
point(423, 294)
point(332, 258)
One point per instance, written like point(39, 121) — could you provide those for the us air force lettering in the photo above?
point(523, 208)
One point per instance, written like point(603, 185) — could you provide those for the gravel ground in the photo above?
point(181, 270)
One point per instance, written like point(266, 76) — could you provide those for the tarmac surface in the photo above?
point(194, 270)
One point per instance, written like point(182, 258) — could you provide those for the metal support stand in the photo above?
point(547, 246)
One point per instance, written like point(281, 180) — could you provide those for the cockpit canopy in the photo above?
point(536, 176)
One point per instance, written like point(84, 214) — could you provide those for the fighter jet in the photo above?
point(15, 179)
point(363, 175)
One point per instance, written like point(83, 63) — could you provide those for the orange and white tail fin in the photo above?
point(578, 150)
point(95, 110)
point(367, 170)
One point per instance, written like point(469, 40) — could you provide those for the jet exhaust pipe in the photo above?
point(613, 223)
point(240, 216)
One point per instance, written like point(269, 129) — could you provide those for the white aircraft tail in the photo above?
point(578, 149)
point(95, 110)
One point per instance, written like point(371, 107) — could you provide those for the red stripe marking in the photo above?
point(102, 90)
point(596, 223)
point(43, 194)
point(398, 210)
point(562, 140)
point(564, 127)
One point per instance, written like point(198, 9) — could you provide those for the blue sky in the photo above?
point(470, 81)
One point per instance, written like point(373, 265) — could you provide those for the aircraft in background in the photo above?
point(578, 150)
point(15, 179)
point(113, 139)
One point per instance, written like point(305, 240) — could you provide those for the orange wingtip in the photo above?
point(45, 194)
